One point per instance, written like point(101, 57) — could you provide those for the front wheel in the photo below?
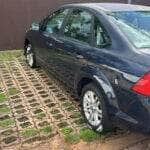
point(30, 56)
point(94, 108)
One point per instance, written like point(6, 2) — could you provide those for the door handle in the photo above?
point(79, 57)
point(57, 40)
point(49, 44)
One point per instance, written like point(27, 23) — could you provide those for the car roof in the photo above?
point(112, 7)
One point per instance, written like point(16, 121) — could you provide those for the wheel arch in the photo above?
point(96, 76)
point(26, 41)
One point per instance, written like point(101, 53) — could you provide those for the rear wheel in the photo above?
point(30, 56)
point(93, 108)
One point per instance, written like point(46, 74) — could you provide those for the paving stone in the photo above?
point(40, 105)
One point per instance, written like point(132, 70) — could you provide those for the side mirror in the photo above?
point(35, 26)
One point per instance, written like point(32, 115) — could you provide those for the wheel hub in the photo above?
point(29, 55)
point(92, 108)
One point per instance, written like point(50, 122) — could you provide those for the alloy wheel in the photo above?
point(29, 55)
point(92, 108)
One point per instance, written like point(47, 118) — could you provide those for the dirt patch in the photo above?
point(58, 143)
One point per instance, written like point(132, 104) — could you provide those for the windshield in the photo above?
point(135, 26)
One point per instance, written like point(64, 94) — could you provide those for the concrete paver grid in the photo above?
point(34, 101)
point(37, 106)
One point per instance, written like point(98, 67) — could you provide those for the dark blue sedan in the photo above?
point(102, 52)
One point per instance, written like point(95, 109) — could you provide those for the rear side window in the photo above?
point(55, 22)
point(79, 25)
point(101, 37)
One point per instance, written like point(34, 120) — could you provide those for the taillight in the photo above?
point(143, 85)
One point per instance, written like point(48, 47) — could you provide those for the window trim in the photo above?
point(103, 28)
point(45, 21)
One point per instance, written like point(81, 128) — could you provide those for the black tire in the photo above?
point(29, 52)
point(105, 123)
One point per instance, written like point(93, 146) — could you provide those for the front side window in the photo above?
point(135, 25)
point(55, 22)
point(79, 26)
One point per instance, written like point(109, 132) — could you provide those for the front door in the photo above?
point(47, 39)
point(73, 44)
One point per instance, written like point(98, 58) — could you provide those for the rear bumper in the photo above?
point(134, 112)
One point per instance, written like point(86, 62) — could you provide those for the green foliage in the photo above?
point(40, 116)
point(2, 97)
point(10, 55)
point(46, 130)
point(13, 91)
point(6, 122)
point(29, 133)
point(72, 138)
point(76, 115)
point(4, 109)
point(66, 130)
point(89, 135)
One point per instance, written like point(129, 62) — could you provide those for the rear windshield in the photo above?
point(135, 25)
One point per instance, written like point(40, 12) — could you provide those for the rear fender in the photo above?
point(101, 81)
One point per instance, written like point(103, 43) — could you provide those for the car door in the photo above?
point(75, 42)
point(47, 39)
point(85, 43)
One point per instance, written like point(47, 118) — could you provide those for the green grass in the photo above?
point(62, 124)
point(80, 121)
point(40, 116)
point(6, 122)
point(89, 135)
point(71, 108)
point(76, 115)
point(46, 130)
point(67, 104)
point(85, 134)
point(13, 91)
point(72, 138)
point(69, 136)
point(4, 109)
point(2, 97)
point(29, 133)
point(10, 55)
point(66, 130)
